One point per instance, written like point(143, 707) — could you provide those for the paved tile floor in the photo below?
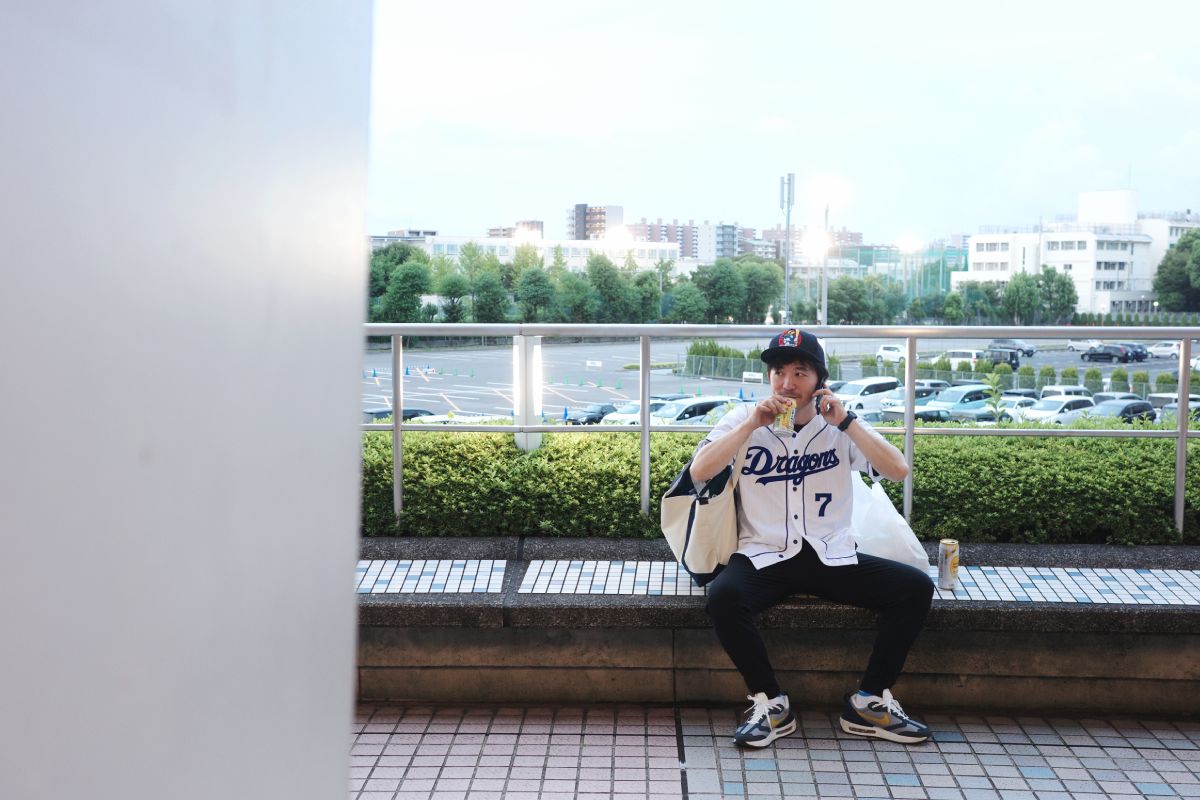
point(413, 752)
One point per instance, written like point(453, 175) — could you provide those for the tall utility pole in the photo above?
point(787, 196)
point(824, 277)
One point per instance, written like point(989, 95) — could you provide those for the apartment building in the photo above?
point(593, 222)
point(685, 234)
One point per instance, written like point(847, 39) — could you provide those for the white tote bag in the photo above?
point(701, 526)
point(880, 530)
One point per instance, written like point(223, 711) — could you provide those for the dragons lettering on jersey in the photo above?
point(769, 467)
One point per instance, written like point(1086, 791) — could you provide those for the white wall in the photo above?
point(182, 196)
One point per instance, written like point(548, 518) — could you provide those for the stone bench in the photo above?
point(1116, 631)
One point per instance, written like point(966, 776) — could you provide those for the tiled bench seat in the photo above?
point(1079, 628)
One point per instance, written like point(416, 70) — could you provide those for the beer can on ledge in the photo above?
point(947, 563)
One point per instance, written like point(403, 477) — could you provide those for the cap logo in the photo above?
point(787, 338)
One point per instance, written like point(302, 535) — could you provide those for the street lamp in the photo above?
point(787, 197)
point(817, 243)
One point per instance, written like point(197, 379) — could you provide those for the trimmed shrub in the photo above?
point(1037, 490)
point(1093, 379)
point(1026, 378)
point(1046, 376)
point(942, 365)
point(835, 367)
point(1165, 382)
point(1070, 375)
point(1119, 380)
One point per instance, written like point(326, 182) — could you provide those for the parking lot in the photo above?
point(479, 379)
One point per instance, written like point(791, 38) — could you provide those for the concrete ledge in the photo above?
point(981, 655)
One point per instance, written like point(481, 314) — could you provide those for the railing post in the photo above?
point(527, 389)
point(910, 399)
point(1185, 415)
point(397, 413)
point(644, 414)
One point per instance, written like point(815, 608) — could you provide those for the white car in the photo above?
point(1060, 409)
point(889, 354)
point(865, 394)
point(1163, 350)
point(630, 413)
point(1082, 345)
point(689, 411)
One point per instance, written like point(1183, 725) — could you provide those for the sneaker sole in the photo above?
point(879, 733)
point(777, 733)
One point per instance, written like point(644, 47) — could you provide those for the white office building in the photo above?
point(1108, 249)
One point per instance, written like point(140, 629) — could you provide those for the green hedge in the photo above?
point(972, 489)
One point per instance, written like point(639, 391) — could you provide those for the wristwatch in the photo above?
point(850, 417)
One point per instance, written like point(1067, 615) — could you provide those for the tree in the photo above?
point(689, 303)
point(576, 299)
point(1022, 299)
point(535, 292)
point(384, 262)
point(631, 265)
point(724, 290)
point(559, 265)
point(847, 301)
point(491, 301)
point(402, 300)
point(453, 288)
point(1057, 294)
point(617, 298)
point(980, 300)
point(884, 298)
point(525, 257)
point(470, 259)
point(764, 285)
point(1177, 282)
point(649, 297)
point(664, 269)
point(952, 308)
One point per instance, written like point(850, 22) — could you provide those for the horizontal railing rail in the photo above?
point(527, 427)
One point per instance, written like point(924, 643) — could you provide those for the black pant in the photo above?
point(900, 593)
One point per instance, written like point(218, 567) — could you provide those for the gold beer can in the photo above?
point(786, 419)
point(947, 563)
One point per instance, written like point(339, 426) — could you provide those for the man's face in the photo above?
point(797, 379)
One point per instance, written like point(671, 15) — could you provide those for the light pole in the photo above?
point(787, 196)
point(824, 277)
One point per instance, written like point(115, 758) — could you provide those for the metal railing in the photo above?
point(524, 425)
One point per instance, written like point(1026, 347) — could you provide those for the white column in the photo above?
point(183, 256)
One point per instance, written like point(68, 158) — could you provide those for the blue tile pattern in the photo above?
point(608, 577)
point(1017, 584)
point(434, 576)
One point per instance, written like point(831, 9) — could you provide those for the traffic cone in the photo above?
point(406, 371)
point(618, 387)
point(741, 395)
point(374, 374)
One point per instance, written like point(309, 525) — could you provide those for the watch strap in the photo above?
point(845, 423)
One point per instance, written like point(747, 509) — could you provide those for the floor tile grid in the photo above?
point(540, 754)
point(535, 753)
point(429, 576)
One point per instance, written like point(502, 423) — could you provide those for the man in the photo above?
point(795, 496)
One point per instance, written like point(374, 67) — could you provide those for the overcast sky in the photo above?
point(913, 119)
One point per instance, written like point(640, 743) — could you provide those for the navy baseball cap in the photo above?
point(794, 344)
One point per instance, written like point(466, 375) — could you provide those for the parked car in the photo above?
point(379, 415)
point(688, 411)
point(1082, 344)
point(1161, 399)
point(1072, 389)
point(959, 358)
point(865, 393)
point(1010, 410)
point(889, 354)
point(1170, 410)
point(932, 383)
point(1107, 352)
point(1163, 350)
point(589, 414)
point(922, 414)
point(630, 413)
point(1104, 397)
point(1031, 393)
point(1019, 345)
point(833, 386)
point(956, 398)
point(1059, 409)
point(1003, 355)
point(465, 418)
point(1128, 410)
point(895, 397)
point(1137, 350)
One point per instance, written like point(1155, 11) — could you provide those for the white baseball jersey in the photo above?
point(795, 486)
